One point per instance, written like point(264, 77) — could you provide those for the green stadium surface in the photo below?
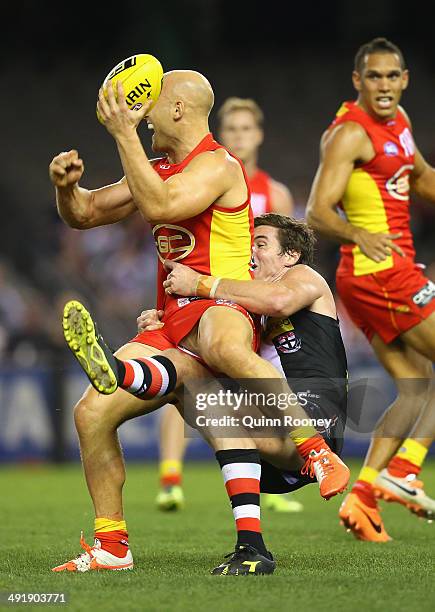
point(320, 566)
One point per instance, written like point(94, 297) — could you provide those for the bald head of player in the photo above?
point(182, 110)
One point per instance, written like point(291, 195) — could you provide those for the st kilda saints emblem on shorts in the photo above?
point(287, 343)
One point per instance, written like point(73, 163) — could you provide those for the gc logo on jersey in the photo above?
point(287, 343)
point(398, 185)
point(173, 242)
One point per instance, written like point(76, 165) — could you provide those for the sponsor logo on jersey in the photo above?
point(398, 185)
point(407, 142)
point(183, 302)
point(390, 148)
point(274, 326)
point(287, 343)
point(173, 242)
point(222, 302)
point(425, 295)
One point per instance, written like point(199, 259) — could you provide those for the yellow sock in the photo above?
point(302, 434)
point(170, 472)
point(368, 474)
point(412, 451)
point(102, 525)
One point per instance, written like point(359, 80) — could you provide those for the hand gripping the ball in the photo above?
point(66, 169)
point(114, 113)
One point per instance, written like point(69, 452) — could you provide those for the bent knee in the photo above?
point(84, 415)
point(92, 412)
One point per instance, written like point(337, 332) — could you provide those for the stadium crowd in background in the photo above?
point(83, 264)
point(79, 264)
point(40, 258)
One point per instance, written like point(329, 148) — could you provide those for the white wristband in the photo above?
point(214, 288)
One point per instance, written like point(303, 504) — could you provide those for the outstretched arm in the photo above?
point(82, 208)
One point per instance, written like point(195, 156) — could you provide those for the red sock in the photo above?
point(170, 473)
point(400, 468)
point(316, 443)
point(170, 480)
point(114, 542)
point(365, 492)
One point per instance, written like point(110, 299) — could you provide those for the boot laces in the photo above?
point(240, 551)
point(83, 561)
point(317, 465)
point(414, 481)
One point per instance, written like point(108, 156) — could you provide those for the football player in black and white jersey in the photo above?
point(301, 337)
point(301, 333)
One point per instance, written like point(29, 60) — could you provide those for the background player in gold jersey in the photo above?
point(240, 131)
point(386, 294)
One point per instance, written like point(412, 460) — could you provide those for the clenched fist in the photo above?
point(149, 320)
point(66, 169)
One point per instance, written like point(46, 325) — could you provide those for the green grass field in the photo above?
point(320, 567)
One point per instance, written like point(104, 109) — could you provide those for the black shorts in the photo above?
point(275, 480)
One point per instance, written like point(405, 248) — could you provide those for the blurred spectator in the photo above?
point(113, 269)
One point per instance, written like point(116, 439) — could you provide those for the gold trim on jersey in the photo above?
point(230, 244)
point(274, 327)
point(364, 207)
point(342, 110)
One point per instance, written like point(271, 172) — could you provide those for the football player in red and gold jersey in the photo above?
point(241, 132)
point(196, 198)
point(369, 164)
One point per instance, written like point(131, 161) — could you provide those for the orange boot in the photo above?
point(360, 514)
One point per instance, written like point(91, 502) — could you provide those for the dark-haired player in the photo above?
point(241, 132)
point(302, 339)
point(369, 163)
